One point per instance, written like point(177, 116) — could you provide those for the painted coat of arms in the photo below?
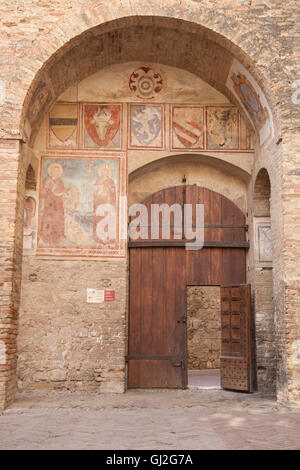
point(102, 126)
point(187, 127)
point(63, 123)
point(250, 99)
point(222, 128)
point(146, 126)
point(145, 82)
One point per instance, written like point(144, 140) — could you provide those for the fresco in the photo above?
point(146, 126)
point(72, 189)
point(263, 239)
point(187, 124)
point(38, 103)
point(102, 126)
point(30, 221)
point(246, 136)
point(250, 95)
point(145, 82)
point(222, 128)
point(63, 126)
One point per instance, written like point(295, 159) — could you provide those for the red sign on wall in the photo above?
point(109, 295)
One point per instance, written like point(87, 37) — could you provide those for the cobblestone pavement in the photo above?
point(156, 420)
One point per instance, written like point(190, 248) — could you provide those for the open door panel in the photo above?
point(236, 341)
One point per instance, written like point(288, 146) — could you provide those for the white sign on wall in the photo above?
point(94, 296)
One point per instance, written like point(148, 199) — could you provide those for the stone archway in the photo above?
point(107, 40)
point(263, 292)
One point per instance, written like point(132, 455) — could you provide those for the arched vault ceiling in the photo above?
point(193, 51)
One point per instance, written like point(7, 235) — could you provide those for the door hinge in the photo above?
point(179, 364)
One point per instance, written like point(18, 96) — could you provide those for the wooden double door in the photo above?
point(160, 272)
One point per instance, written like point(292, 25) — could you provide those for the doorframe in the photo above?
point(195, 285)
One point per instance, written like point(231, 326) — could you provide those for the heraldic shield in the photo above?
point(102, 122)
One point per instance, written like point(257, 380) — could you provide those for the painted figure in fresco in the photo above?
point(53, 219)
point(104, 193)
point(29, 224)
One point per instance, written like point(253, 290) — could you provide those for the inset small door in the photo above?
point(157, 319)
point(236, 346)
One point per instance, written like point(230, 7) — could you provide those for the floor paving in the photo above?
point(159, 420)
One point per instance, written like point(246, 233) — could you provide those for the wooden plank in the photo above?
point(236, 345)
point(173, 243)
point(180, 323)
point(160, 270)
point(159, 341)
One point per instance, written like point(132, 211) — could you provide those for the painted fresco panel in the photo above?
point(102, 126)
point(222, 128)
point(187, 127)
point(72, 189)
point(251, 97)
point(146, 126)
point(63, 126)
point(146, 83)
point(246, 136)
point(38, 104)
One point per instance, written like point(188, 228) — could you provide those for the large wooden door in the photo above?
point(157, 326)
point(236, 357)
point(161, 269)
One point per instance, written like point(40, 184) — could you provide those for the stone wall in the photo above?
point(203, 327)
point(65, 342)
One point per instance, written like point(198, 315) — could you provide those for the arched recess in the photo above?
point(263, 280)
point(30, 211)
point(30, 181)
point(211, 173)
point(206, 53)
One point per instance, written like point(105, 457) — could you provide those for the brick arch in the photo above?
point(207, 172)
point(262, 194)
point(97, 37)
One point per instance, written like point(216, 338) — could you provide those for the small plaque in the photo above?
point(94, 296)
point(109, 295)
